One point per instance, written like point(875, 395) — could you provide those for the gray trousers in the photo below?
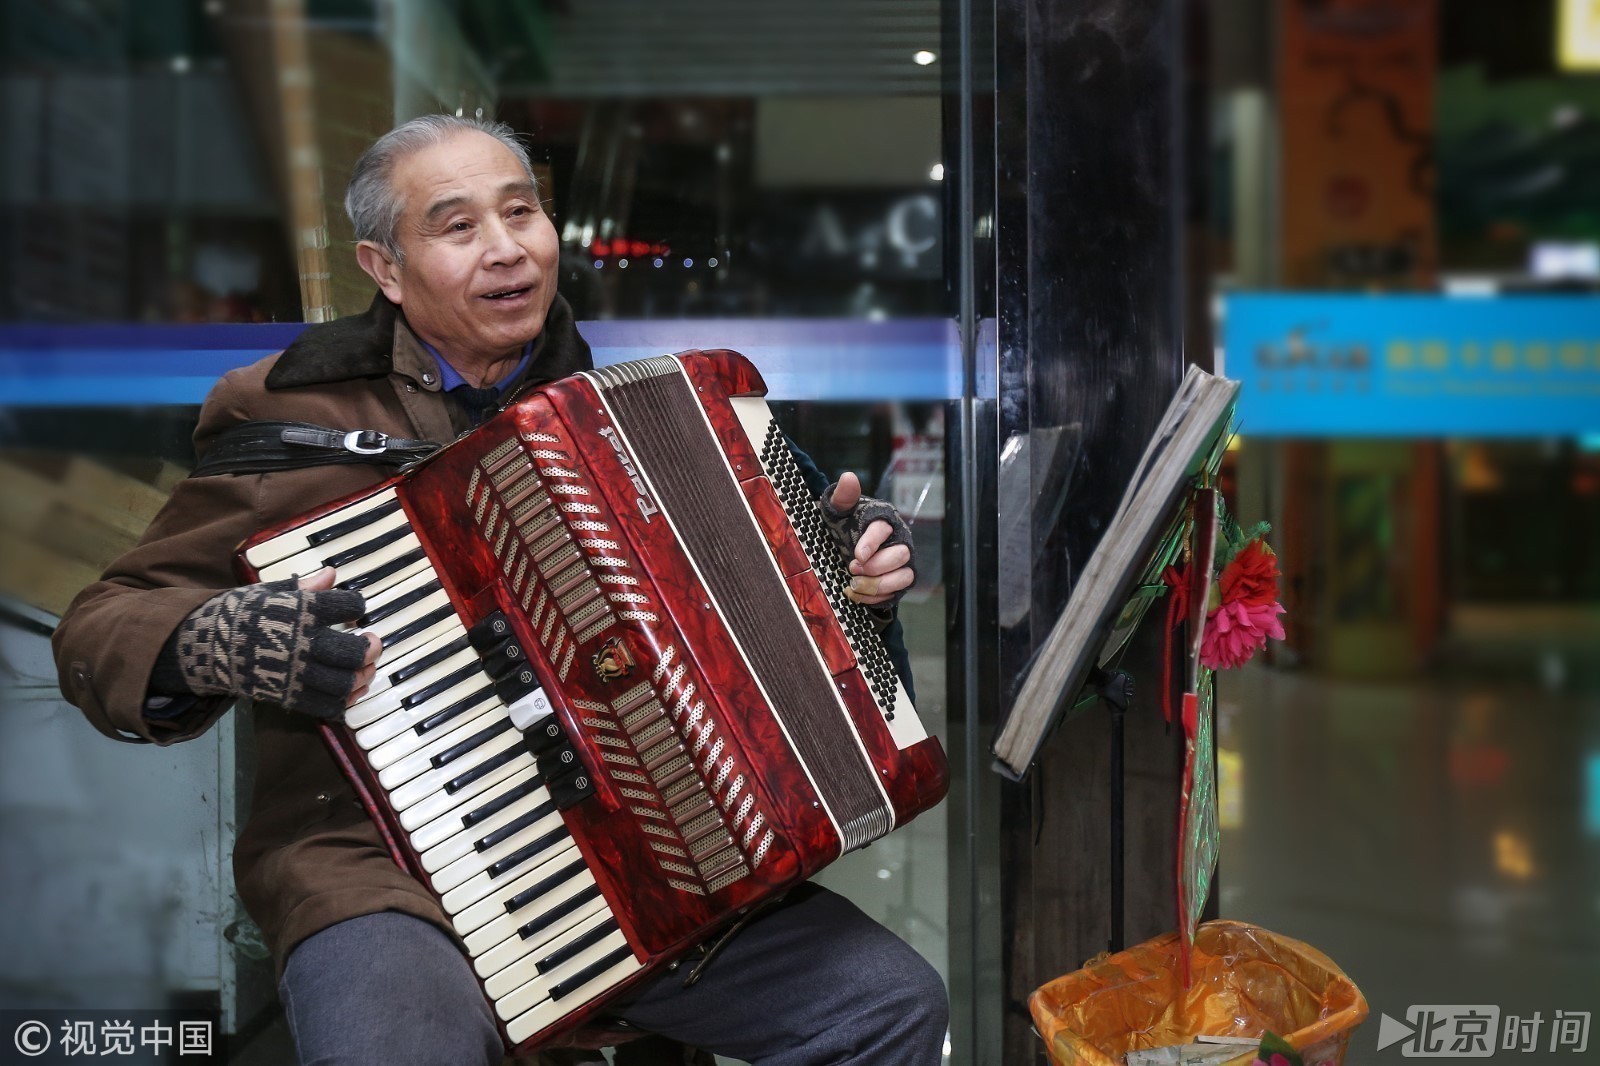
point(812, 982)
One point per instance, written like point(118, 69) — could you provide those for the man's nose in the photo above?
point(501, 247)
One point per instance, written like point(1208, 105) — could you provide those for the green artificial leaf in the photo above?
point(1276, 1051)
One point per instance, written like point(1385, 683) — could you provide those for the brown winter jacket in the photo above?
point(308, 855)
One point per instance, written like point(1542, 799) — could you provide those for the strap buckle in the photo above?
point(366, 442)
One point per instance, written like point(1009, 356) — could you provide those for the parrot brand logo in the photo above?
point(646, 507)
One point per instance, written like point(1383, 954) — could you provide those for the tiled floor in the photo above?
point(1439, 838)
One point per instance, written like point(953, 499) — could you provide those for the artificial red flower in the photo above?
point(1236, 630)
point(1251, 576)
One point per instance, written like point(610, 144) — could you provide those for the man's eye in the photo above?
point(520, 210)
point(460, 227)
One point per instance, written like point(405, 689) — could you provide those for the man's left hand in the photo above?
point(881, 565)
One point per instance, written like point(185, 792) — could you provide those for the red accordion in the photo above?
point(622, 697)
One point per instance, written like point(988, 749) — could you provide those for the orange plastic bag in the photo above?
point(1245, 981)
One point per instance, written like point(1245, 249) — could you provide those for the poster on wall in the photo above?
point(1357, 87)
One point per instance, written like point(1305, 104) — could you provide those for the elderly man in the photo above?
point(451, 230)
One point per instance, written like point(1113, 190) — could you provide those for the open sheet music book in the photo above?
point(1124, 573)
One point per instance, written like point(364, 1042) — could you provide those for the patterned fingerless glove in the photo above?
point(847, 528)
point(273, 642)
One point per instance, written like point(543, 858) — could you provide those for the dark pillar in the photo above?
point(1088, 306)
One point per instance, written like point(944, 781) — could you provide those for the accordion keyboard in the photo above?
point(452, 726)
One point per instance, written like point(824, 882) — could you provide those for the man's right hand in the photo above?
point(275, 642)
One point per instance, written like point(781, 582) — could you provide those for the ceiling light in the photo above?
point(923, 58)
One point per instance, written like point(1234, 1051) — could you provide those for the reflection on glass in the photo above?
point(1230, 789)
point(1512, 855)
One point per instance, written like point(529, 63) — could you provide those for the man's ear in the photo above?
point(380, 268)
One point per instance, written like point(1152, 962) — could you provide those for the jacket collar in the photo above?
point(378, 342)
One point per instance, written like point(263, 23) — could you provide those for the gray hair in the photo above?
point(370, 200)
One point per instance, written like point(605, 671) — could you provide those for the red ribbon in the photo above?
point(1177, 581)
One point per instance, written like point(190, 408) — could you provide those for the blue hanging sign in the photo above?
point(1414, 366)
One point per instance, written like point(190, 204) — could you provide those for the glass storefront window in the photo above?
point(171, 208)
point(1408, 182)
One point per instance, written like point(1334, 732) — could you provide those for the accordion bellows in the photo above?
point(623, 698)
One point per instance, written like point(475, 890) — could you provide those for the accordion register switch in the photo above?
point(558, 762)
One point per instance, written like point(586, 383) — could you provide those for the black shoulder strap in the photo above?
point(260, 447)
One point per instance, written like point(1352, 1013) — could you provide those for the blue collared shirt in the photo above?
point(450, 378)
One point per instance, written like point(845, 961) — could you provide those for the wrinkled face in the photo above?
point(479, 267)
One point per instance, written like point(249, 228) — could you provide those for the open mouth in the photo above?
point(507, 294)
